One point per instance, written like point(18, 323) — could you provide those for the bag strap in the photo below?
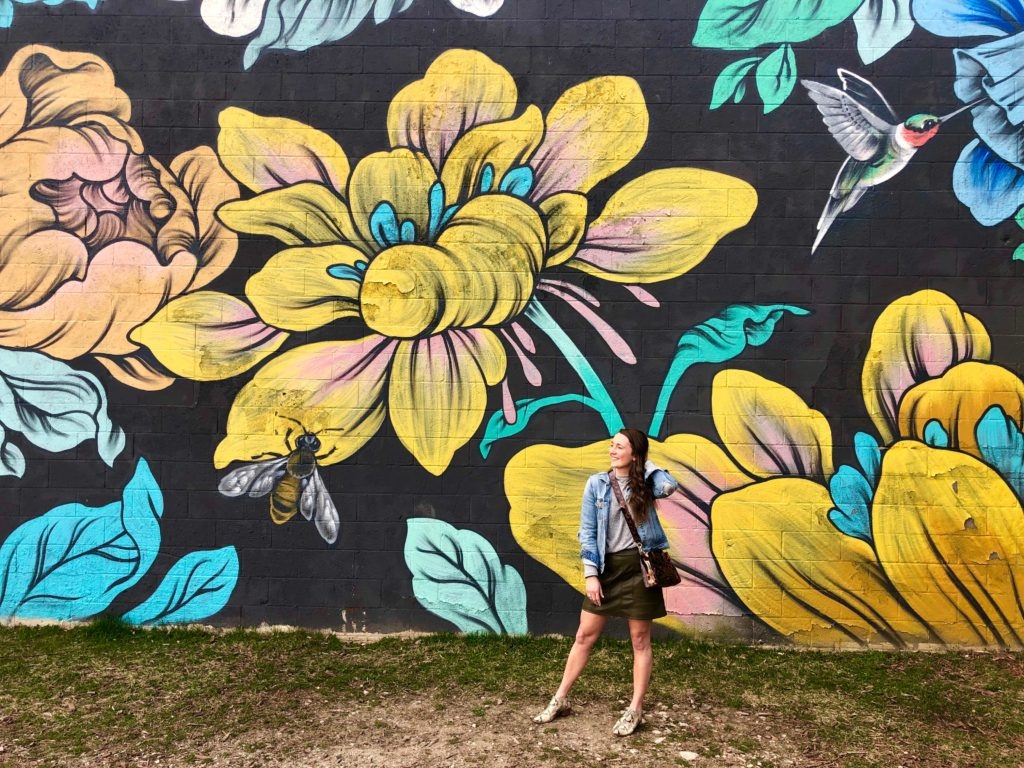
point(624, 509)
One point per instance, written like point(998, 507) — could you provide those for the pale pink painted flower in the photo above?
point(95, 235)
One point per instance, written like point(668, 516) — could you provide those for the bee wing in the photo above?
point(315, 503)
point(256, 479)
point(858, 130)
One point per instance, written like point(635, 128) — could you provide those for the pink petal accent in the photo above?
point(524, 338)
point(615, 342)
point(587, 296)
point(642, 295)
point(508, 406)
point(686, 523)
point(533, 375)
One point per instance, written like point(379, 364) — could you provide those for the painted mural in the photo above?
point(337, 321)
point(987, 177)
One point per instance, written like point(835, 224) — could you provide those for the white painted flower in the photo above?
point(239, 18)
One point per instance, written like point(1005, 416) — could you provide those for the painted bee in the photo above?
point(293, 482)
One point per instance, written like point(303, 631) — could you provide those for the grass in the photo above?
point(109, 688)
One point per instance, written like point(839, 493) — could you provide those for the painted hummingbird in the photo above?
point(877, 143)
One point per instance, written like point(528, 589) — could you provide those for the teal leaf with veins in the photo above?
point(196, 587)
point(53, 406)
point(457, 575)
point(729, 84)
point(740, 25)
point(71, 562)
point(298, 25)
point(776, 77)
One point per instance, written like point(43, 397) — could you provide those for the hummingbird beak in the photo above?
point(964, 108)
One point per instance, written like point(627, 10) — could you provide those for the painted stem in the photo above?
point(591, 381)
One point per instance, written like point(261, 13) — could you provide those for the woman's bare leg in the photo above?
point(643, 660)
point(591, 626)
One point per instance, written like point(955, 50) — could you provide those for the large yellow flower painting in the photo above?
point(417, 266)
point(920, 542)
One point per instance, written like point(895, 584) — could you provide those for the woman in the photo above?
point(611, 569)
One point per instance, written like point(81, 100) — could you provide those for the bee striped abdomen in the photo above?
point(284, 501)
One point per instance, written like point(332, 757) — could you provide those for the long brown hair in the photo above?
point(641, 496)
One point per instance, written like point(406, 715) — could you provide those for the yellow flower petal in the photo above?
point(44, 86)
point(305, 214)
point(565, 218)
point(125, 285)
point(663, 224)
point(269, 152)
point(502, 146)
point(294, 291)
point(334, 389)
point(769, 429)
point(544, 486)
point(917, 337)
point(801, 575)
point(208, 336)
point(135, 371)
point(594, 129)
point(194, 226)
point(482, 272)
point(958, 399)
point(438, 392)
point(949, 533)
point(400, 178)
point(459, 90)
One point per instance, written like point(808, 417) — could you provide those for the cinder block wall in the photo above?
point(318, 320)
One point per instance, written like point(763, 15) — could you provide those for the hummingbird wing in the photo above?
point(864, 93)
point(859, 131)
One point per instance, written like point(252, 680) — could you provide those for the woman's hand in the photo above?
point(593, 587)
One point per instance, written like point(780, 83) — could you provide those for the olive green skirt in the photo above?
point(624, 592)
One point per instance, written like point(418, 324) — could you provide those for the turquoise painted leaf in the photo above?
point(852, 495)
point(869, 455)
point(935, 435)
point(12, 460)
point(1002, 446)
point(458, 576)
point(196, 587)
point(776, 77)
point(739, 25)
point(881, 25)
point(498, 428)
point(729, 84)
point(54, 406)
point(71, 562)
point(717, 340)
point(298, 25)
point(7, 7)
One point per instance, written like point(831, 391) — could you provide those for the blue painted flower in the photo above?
point(989, 175)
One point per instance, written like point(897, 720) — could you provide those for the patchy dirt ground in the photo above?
point(423, 733)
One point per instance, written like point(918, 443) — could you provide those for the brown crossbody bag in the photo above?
point(655, 565)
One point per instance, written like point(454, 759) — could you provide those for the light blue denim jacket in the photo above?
point(598, 504)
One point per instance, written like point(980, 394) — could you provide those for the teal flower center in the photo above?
point(388, 230)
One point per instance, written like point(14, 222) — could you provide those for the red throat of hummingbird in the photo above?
point(918, 137)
